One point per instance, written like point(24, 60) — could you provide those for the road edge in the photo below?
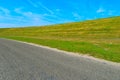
point(69, 53)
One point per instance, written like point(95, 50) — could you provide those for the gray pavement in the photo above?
point(20, 61)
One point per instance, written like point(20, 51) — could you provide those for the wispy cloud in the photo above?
point(32, 3)
point(46, 8)
point(5, 14)
point(23, 13)
point(51, 14)
point(39, 4)
point(106, 12)
point(100, 10)
point(8, 20)
point(40, 19)
point(33, 18)
point(25, 18)
point(29, 18)
point(77, 16)
point(4, 11)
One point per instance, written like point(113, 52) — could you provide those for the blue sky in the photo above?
point(16, 13)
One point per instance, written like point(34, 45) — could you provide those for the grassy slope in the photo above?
point(98, 38)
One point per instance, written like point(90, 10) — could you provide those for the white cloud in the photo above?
point(6, 16)
point(34, 18)
point(23, 13)
point(58, 10)
point(77, 16)
point(4, 11)
point(28, 18)
point(103, 11)
point(18, 10)
point(46, 8)
point(39, 4)
point(32, 3)
point(49, 13)
point(25, 18)
point(100, 10)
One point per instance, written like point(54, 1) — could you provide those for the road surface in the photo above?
point(20, 61)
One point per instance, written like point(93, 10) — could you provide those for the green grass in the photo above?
point(99, 38)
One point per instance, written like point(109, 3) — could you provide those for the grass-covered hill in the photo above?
point(98, 38)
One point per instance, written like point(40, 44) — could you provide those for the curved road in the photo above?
point(20, 61)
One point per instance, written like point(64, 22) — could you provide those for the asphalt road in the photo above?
point(20, 61)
